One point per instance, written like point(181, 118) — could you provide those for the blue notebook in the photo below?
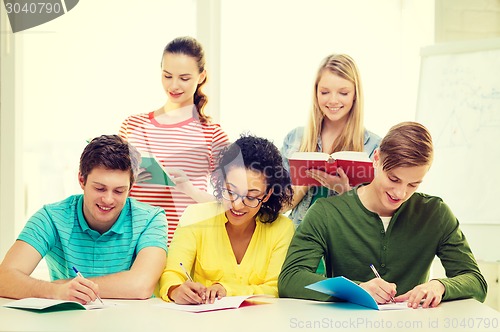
point(345, 289)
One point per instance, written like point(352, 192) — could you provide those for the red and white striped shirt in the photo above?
point(188, 145)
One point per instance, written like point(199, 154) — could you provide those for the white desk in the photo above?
point(284, 315)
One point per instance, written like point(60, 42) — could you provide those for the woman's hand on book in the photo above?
point(143, 175)
point(216, 291)
point(338, 182)
point(182, 182)
point(184, 185)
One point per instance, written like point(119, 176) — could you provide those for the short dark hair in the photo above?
point(110, 152)
point(407, 144)
point(257, 154)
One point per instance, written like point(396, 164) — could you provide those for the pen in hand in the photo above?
point(197, 290)
point(186, 272)
point(378, 276)
point(81, 276)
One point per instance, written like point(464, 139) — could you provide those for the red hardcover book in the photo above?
point(357, 166)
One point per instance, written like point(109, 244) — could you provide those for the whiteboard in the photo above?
point(459, 102)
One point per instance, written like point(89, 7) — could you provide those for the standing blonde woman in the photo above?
point(335, 124)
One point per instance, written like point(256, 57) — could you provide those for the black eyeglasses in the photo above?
point(249, 201)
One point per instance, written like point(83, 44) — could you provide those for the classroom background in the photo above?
point(80, 75)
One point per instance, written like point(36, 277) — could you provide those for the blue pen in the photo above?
point(81, 276)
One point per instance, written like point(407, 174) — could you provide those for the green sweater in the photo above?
point(350, 237)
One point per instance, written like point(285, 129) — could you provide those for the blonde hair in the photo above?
point(351, 138)
point(407, 144)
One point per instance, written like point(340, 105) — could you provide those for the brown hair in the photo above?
point(351, 138)
point(110, 152)
point(406, 144)
point(191, 47)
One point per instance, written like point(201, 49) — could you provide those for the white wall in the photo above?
point(82, 74)
point(270, 52)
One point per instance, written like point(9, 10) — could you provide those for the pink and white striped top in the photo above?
point(188, 145)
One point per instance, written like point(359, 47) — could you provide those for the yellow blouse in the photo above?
point(202, 245)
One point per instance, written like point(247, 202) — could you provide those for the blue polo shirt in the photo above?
point(60, 233)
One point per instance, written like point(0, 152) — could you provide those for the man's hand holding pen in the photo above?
point(381, 290)
point(77, 289)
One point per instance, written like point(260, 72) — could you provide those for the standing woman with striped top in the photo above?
point(179, 133)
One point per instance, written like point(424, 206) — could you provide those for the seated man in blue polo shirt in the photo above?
point(118, 244)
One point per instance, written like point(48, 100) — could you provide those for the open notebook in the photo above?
point(228, 302)
point(48, 305)
point(348, 290)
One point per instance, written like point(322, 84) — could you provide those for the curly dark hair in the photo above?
point(256, 154)
point(110, 152)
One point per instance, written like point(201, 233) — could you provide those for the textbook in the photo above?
point(158, 172)
point(345, 289)
point(48, 305)
point(357, 166)
point(227, 302)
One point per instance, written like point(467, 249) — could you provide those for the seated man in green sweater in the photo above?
point(387, 224)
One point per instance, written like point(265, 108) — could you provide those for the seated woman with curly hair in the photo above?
point(236, 245)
